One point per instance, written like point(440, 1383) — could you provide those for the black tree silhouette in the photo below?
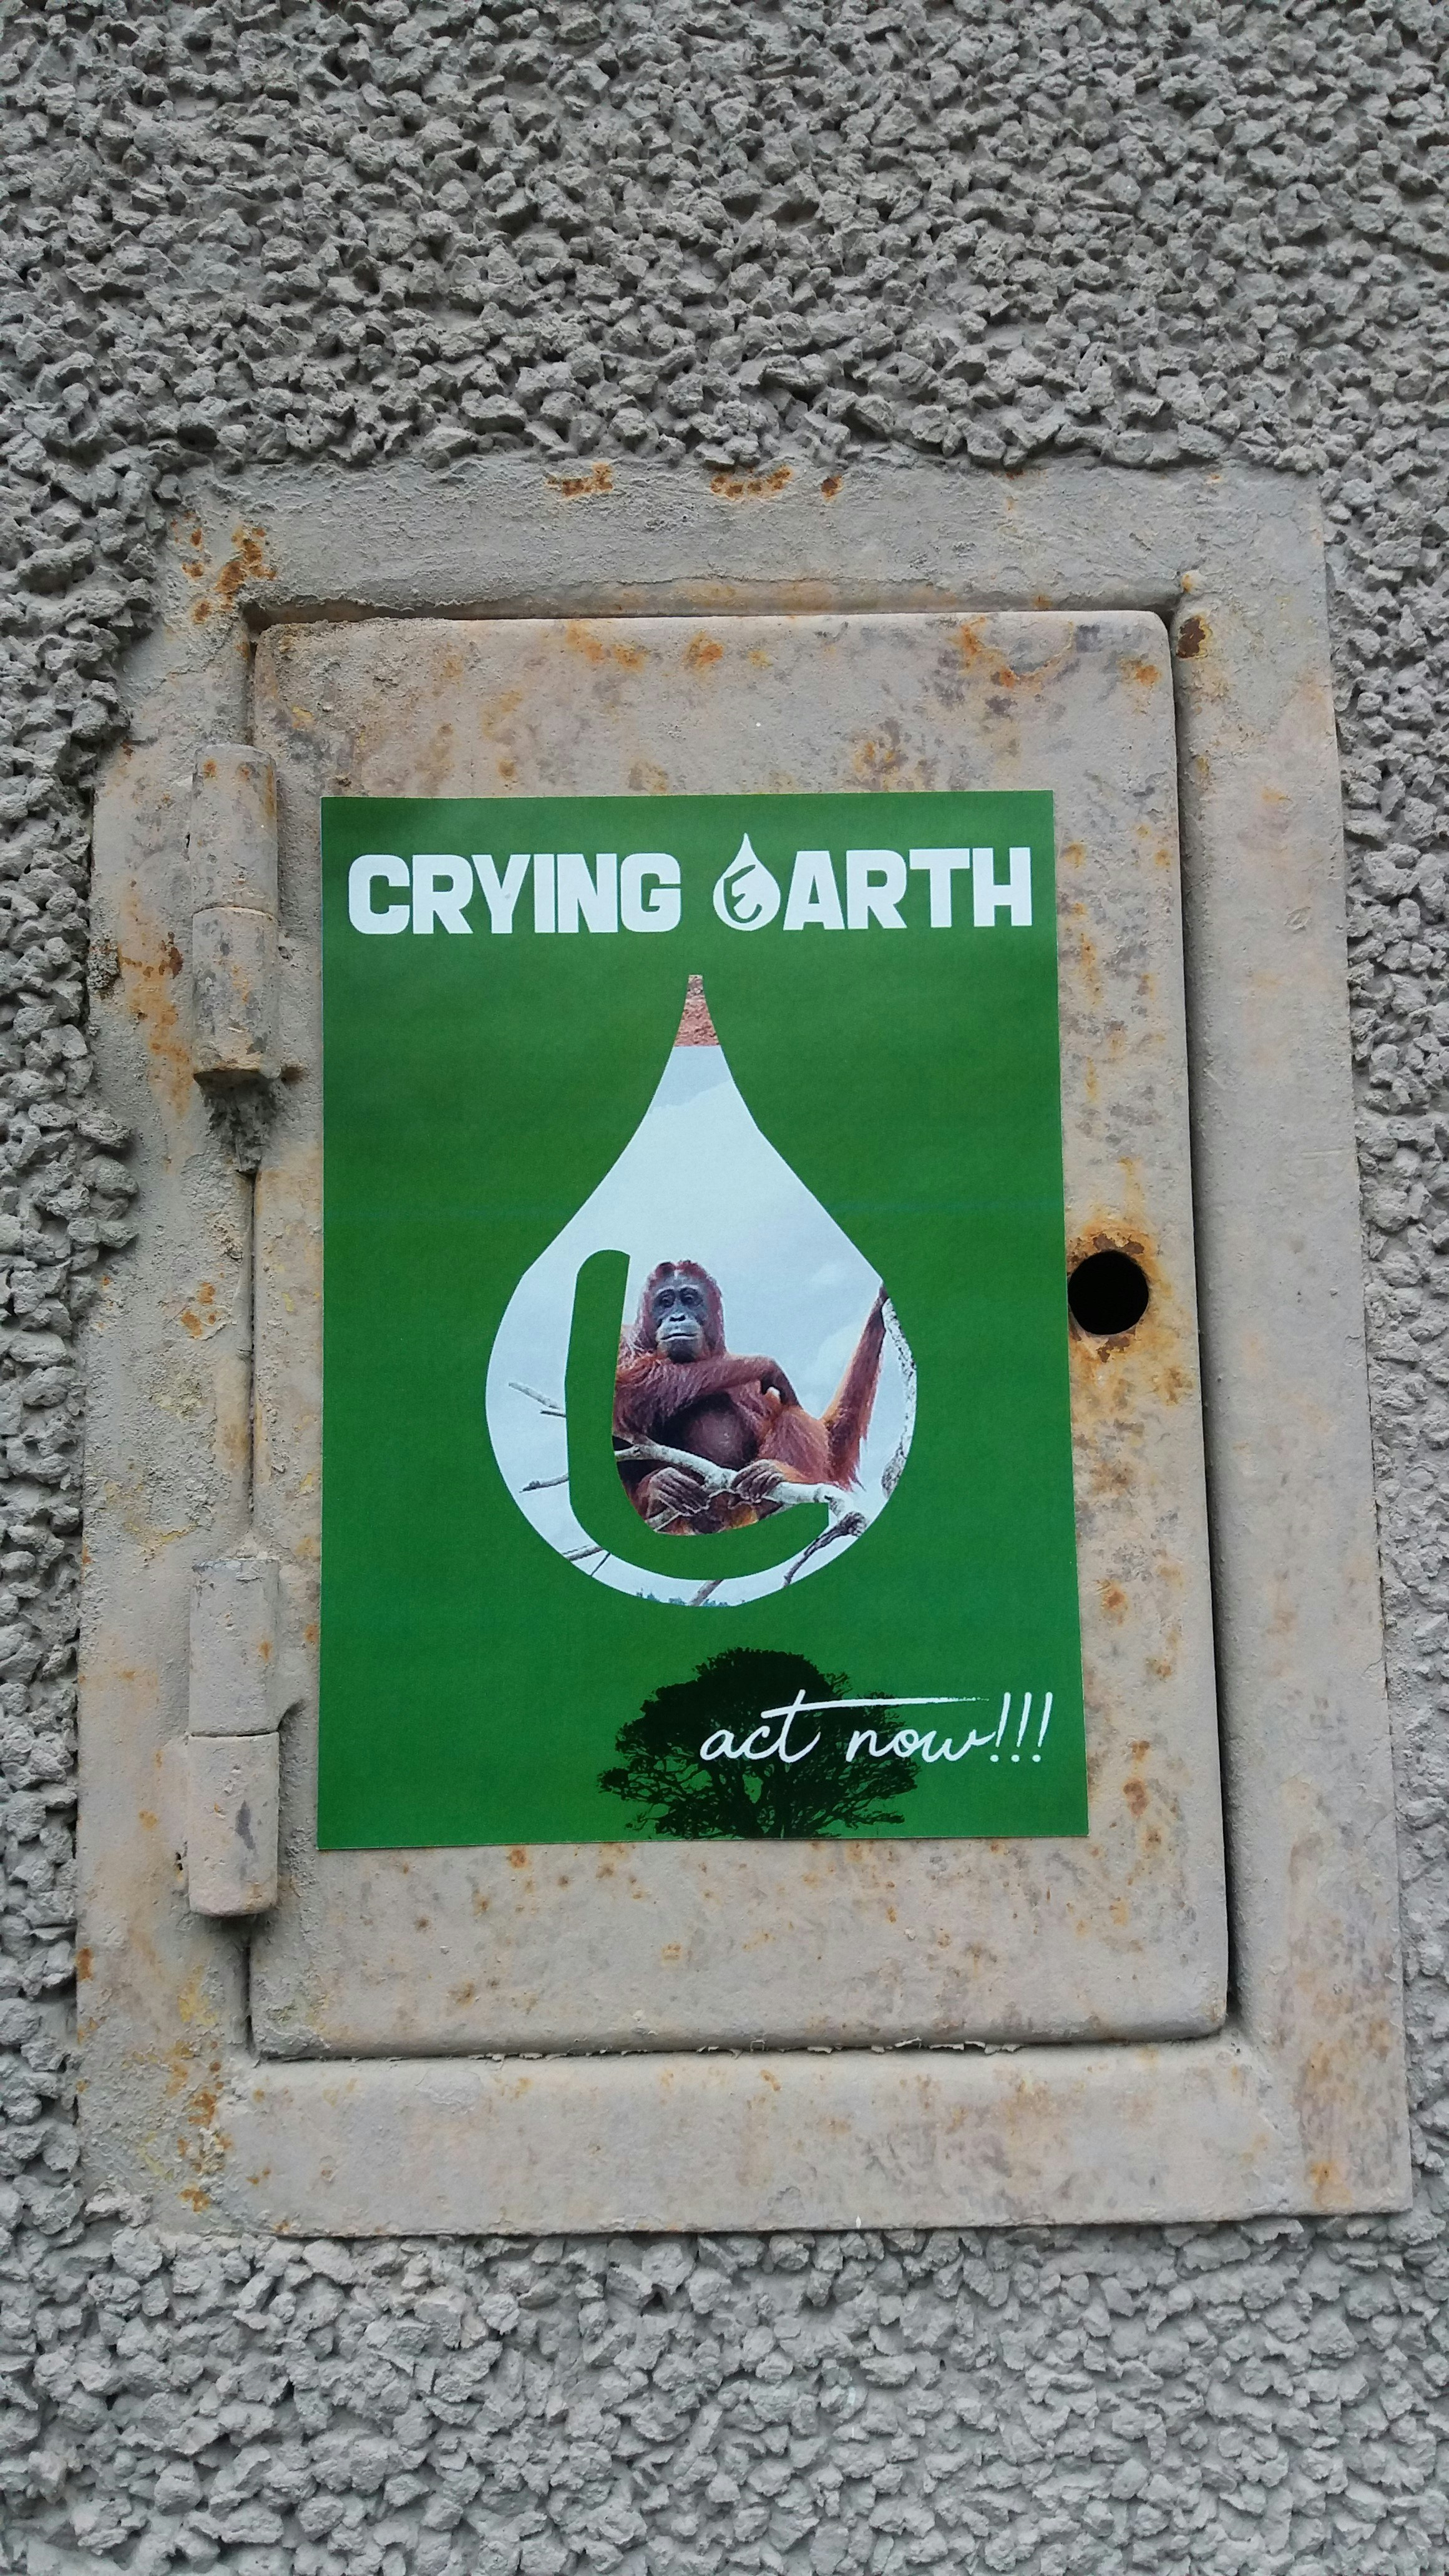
point(677, 1796)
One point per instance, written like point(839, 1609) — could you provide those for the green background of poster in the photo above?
point(476, 1090)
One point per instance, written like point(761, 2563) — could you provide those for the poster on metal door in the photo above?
point(696, 1433)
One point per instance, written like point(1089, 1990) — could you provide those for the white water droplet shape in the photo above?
point(698, 1181)
point(746, 896)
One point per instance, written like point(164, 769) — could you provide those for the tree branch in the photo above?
point(722, 1480)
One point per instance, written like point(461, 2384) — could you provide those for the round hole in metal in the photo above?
point(1108, 1293)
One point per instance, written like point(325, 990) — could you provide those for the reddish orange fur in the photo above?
point(677, 1402)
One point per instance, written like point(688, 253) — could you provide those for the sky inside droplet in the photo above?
point(698, 1182)
point(794, 1286)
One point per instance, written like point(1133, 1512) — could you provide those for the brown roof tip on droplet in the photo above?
point(696, 1028)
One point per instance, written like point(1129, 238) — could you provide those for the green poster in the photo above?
point(696, 1426)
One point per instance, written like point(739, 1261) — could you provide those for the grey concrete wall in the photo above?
point(1142, 232)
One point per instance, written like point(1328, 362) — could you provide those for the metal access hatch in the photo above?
point(716, 2033)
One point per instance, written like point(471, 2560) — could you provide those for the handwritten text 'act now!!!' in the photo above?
point(763, 1744)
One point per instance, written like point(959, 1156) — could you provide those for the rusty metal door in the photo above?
point(709, 1945)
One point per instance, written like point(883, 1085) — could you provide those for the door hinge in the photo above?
point(233, 850)
point(232, 1807)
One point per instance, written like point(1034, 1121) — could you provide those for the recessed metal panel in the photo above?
point(674, 1945)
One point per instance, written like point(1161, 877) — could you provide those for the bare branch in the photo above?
point(783, 1494)
point(545, 1403)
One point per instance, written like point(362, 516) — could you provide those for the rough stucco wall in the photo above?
point(1142, 231)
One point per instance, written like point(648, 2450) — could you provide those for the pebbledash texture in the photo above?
point(726, 238)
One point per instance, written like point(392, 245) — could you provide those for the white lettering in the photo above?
point(592, 899)
point(902, 1746)
point(746, 896)
point(1001, 1726)
point(864, 1735)
point(442, 884)
point(502, 900)
point(937, 1699)
point(940, 866)
point(875, 881)
point(987, 897)
point(656, 870)
point(946, 1751)
point(782, 1744)
point(543, 917)
point(814, 898)
point(376, 869)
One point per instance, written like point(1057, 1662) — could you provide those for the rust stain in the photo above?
point(1006, 676)
point(496, 710)
point(1135, 1794)
point(518, 1857)
point(200, 2144)
point(84, 1965)
point(1192, 634)
point(704, 651)
point(1114, 1601)
point(877, 763)
point(247, 562)
point(197, 1324)
point(582, 487)
point(1086, 960)
point(580, 637)
point(145, 1817)
point(831, 486)
point(1146, 673)
point(646, 778)
point(150, 961)
point(1118, 1379)
point(751, 487)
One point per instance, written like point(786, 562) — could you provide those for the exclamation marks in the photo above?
point(1001, 1729)
point(1023, 1722)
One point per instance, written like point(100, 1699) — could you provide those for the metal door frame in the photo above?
point(1299, 2103)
